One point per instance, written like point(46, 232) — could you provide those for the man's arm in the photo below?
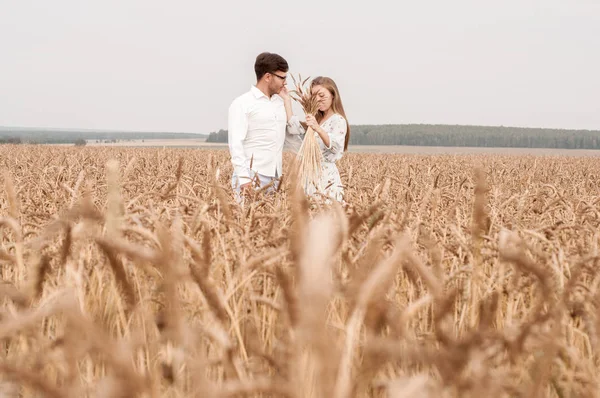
point(294, 134)
point(237, 130)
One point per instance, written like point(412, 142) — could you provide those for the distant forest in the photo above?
point(26, 136)
point(469, 136)
point(391, 134)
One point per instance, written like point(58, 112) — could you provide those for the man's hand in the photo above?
point(284, 93)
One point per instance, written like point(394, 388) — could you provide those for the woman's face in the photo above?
point(324, 96)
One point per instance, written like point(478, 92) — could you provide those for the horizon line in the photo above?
point(113, 130)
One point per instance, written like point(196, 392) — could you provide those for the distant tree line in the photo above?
point(10, 140)
point(18, 140)
point(468, 136)
point(219, 136)
point(40, 136)
point(391, 134)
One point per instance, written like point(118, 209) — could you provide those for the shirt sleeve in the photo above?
point(337, 135)
point(294, 133)
point(294, 127)
point(237, 130)
point(292, 143)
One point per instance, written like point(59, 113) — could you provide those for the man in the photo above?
point(257, 130)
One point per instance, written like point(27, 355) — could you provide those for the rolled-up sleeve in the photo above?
point(337, 135)
point(294, 133)
point(237, 130)
point(294, 127)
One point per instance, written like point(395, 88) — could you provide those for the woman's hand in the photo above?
point(312, 122)
point(314, 125)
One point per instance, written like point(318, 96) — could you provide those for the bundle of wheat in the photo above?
point(309, 155)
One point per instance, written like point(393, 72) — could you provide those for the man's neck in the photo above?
point(264, 88)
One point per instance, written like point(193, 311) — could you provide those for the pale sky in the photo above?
point(149, 65)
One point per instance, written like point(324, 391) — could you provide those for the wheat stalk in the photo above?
point(281, 300)
point(309, 156)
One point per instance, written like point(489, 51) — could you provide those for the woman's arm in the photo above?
point(312, 123)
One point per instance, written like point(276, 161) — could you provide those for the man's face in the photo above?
point(277, 80)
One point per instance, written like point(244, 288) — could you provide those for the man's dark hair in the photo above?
point(269, 63)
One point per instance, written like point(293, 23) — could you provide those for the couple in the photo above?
point(261, 124)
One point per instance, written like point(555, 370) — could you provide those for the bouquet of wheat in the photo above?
point(309, 156)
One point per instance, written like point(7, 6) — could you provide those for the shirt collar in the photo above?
point(257, 93)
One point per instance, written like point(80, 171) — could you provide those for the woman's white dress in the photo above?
point(330, 183)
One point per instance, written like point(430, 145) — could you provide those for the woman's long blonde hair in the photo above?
point(336, 102)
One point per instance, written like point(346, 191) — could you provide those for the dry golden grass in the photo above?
point(131, 272)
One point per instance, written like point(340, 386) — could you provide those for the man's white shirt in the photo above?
point(257, 133)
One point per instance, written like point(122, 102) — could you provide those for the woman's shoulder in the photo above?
point(339, 118)
point(336, 117)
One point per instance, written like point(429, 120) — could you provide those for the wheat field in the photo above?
point(133, 273)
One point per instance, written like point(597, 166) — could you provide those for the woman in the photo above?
point(333, 130)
